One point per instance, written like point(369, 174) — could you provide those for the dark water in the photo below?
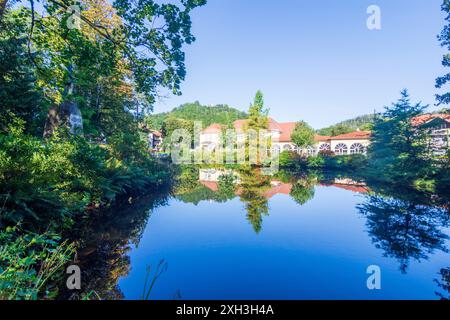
point(279, 238)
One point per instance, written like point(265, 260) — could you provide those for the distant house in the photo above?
point(155, 140)
point(438, 126)
point(280, 132)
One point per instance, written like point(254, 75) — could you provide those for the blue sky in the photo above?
point(313, 60)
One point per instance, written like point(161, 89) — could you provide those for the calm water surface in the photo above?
point(289, 238)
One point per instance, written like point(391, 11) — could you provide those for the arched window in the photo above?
point(357, 148)
point(311, 150)
point(341, 148)
point(287, 147)
point(325, 147)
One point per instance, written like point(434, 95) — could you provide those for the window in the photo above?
point(311, 150)
point(341, 148)
point(357, 148)
point(287, 147)
point(325, 147)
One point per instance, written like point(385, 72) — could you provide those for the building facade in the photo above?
point(438, 127)
point(280, 133)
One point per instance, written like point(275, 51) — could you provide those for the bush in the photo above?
point(28, 262)
point(44, 182)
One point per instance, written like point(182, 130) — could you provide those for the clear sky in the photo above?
point(313, 60)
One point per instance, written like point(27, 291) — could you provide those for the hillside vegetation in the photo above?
point(221, 113)
point(363, 122)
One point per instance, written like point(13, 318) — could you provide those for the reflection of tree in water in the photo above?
point(403, 229)
point(190, 190)
point(444, 284)
point(303, 189)
point(105, 241)
point(252, 186)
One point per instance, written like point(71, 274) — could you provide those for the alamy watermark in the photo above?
point(74, 19)
point(73, 281)
point(230, 146)
point(374, 279)
point(374, 19)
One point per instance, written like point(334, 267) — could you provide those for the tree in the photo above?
point(303, 135)
point(253, 184)
point(257, 115)
point(303, 190)
point(113, 51)
point(399, 151)
point(222, 114)
point(257, 120)
point(444, 38)
point(19, 94)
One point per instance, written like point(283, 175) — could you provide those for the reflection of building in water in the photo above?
point(213, 175)
point(278, 187)
point(348, 184)
point(210, 179)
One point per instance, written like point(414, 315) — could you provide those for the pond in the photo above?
point(243, 235)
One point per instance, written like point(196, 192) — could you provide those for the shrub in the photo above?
point(28, 262)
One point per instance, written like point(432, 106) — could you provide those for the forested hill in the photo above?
point(363, 122)
point(222, 114)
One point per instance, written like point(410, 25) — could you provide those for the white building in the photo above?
point(280, 132)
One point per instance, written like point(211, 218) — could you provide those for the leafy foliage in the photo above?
point(222, 114)
point(399, 151)
point(303, 135)
point(364, 122)
point(257, 114)
point(28, 262)
point(444, 39)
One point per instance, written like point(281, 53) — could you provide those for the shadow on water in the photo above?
point(403, 229)
point(408, 225)
point(105, 240)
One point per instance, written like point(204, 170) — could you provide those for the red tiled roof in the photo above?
point(349, 187)
point(286, 129)
point(282, 188)
point(214, 128)
point(424, 118)
point(211, 185)
point(319, 138)
point(353, 135)
point(156, 133)
point(239, 124)
point(273, 125)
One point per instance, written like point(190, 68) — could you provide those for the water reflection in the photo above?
point(404, 226)
point(444, 284)
point(105, 240)
point(403, 229)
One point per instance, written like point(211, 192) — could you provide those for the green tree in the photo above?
point(444, 38)
point(257, 115)
point(257, 120)
point(253, 184)
point(303, 190)
point(19, 94)
point(303, 135)
point(399, 151)
point(222, 114)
